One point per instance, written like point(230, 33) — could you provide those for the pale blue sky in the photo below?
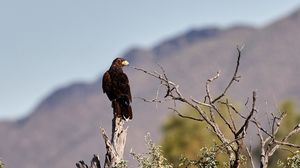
point(49, 44)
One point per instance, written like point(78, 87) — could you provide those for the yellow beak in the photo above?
point(125, 63)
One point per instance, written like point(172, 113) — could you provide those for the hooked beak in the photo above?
point(125, 63)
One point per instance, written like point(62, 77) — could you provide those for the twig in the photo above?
point(246, 123)
point(95, 163)
point(250, 156)
point(230, 115)
point(184, 116)
point(234, 78)
point(200, 103)
point(287, 144)
point(207, 87)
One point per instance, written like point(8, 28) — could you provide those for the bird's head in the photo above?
point(120, 62)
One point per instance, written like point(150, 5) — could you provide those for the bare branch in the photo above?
point(95, 163)
point(230, 115)
point(278, 122)
point(233, 108)
point(232, 129)
point(185, 116)
point(150, 100)
point(234, 78)
point(291, 133)
point(246, 123)
point(229, 143)
point(250, 156)
point(258, 125)
point(155, 75)
point(287, 144)
point(207, 86)
point(200, 103)
point(252, 120)
point(81, 164)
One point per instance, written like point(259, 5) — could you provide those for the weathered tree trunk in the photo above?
point(114, 146)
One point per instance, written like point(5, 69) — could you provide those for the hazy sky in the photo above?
point(49, 44)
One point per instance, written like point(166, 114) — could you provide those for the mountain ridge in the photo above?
point(65, 124)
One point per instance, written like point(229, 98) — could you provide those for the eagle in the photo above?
point(115, 84)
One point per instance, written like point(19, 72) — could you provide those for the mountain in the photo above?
point(64, 127)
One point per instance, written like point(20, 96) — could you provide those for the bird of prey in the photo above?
point(115, 84)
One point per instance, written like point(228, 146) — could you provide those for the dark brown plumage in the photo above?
point(115, 84)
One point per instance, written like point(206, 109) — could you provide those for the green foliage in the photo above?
point(206, 159)
point(1, 164)
point(122, 164)
point(288, 123)
point(183, 137)
point(186, 137)
point(291, 162)
point(294, 161)
point(153, 158)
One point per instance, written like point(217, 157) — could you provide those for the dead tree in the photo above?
point(232, 146)
point(114, 146)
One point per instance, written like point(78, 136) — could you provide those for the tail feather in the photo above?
point(127, 113)
point(116, 108)
point(122, 108)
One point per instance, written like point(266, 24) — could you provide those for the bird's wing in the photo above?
point(106, 82)
point(124, 87)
